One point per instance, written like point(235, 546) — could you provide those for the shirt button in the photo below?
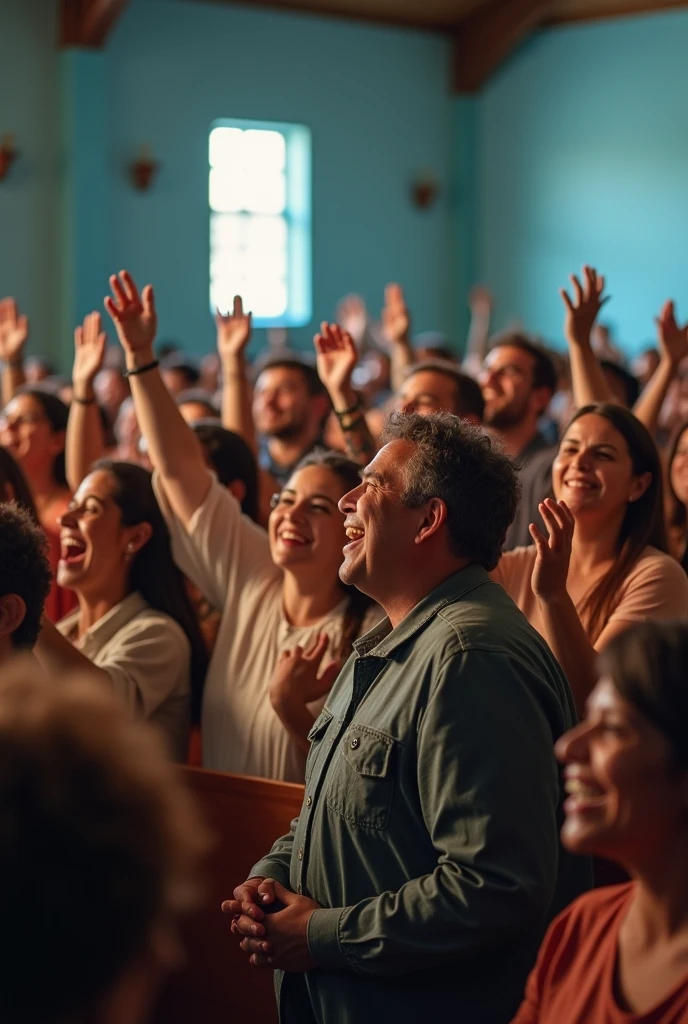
point(354, 743)
point(309, 801)
point(300, 853)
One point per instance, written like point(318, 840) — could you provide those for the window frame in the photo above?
point(297, 215)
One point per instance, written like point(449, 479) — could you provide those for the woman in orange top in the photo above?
point(32, 428)
point(620, 955)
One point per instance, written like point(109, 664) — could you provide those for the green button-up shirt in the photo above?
point(429, 828)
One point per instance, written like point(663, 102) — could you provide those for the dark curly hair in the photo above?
point(24, 569)
point(466, 468)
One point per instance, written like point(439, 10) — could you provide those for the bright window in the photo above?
point(259, 191)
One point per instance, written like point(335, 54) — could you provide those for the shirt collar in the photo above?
point(102, 631)
point(383, 640)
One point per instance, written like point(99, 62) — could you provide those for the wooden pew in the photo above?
point(217, 983)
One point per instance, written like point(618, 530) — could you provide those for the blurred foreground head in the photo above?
point(99, 849)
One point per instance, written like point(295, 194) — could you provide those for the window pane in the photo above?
point(226, 147)
point(229, 230)
point(265, 232)
point(226, 190)
point(265, 191)
point(265, 149)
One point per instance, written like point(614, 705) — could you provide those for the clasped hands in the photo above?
point(277, 939)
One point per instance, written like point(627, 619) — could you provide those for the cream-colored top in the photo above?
point(228, 557)
point(655, 590)
point(148, 658)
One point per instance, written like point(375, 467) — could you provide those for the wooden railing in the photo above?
point(217, 983)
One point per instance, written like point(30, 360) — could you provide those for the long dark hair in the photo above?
point(647, 665)
point(232, 459)
point(13, 485)
point(358, 604)
point(677, 513)
point(153, 571)
point(57, 413)
point(643, 522)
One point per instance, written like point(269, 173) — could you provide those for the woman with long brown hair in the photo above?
point(677, 495)
point(277, 591)
point(581, 587)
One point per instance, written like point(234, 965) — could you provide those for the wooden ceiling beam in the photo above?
point(87, 23)
point(563, 15)
point(486, 38)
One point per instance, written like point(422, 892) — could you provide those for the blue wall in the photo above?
point(29, 196)
point(583, 157)
point(377, 101)
point(378, 104)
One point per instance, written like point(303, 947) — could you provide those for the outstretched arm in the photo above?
point(396, 325)
point(673, 347)
point(14, 330)
point(85, 441)
point(233, 335)
point(587, 378)
point(173, 447)
point(336, 359)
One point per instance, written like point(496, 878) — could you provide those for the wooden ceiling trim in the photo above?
point(347, 12)
point(486, 38)
point(625, 10)
point(86, 23)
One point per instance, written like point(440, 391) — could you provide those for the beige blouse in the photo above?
point(227, 556)
point(655, 590)
point(148, 658)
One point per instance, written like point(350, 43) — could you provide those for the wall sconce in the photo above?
point(143, 169)
point(8, 154)
point(424, 190)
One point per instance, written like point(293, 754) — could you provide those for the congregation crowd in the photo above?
point(448, 596)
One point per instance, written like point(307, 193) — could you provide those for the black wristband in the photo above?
point(354, 425)
point(138, 370)
point(83, 401)
point(348, 412)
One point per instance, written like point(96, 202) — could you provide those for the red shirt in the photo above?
point(573, 979)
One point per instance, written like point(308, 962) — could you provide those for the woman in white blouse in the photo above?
point(135, 625)
point(278, 592)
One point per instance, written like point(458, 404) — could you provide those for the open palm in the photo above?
point(336, 357)
point(134, 316)
point(89, 349)
point(14, 330)
point(673, 339)
point(396, 320)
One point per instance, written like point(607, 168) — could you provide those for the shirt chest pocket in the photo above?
point(315, 738)
point(362, 783)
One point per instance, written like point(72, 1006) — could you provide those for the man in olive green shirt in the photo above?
point(425, 864)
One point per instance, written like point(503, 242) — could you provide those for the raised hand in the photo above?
point(233, 330)
point(134, 316)
point(672, 338)
point(353, 316)
point(297, 676)
point(480, 301)
point(396, 319)
point(14, 330)
point(336, 358)
point(89, 350)
point(553, 551)
point(583, 309)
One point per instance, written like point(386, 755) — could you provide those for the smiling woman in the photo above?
point(286, 619)
point(32, 428)
point(580, 587)
point(134, 621)
point(621, 953)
